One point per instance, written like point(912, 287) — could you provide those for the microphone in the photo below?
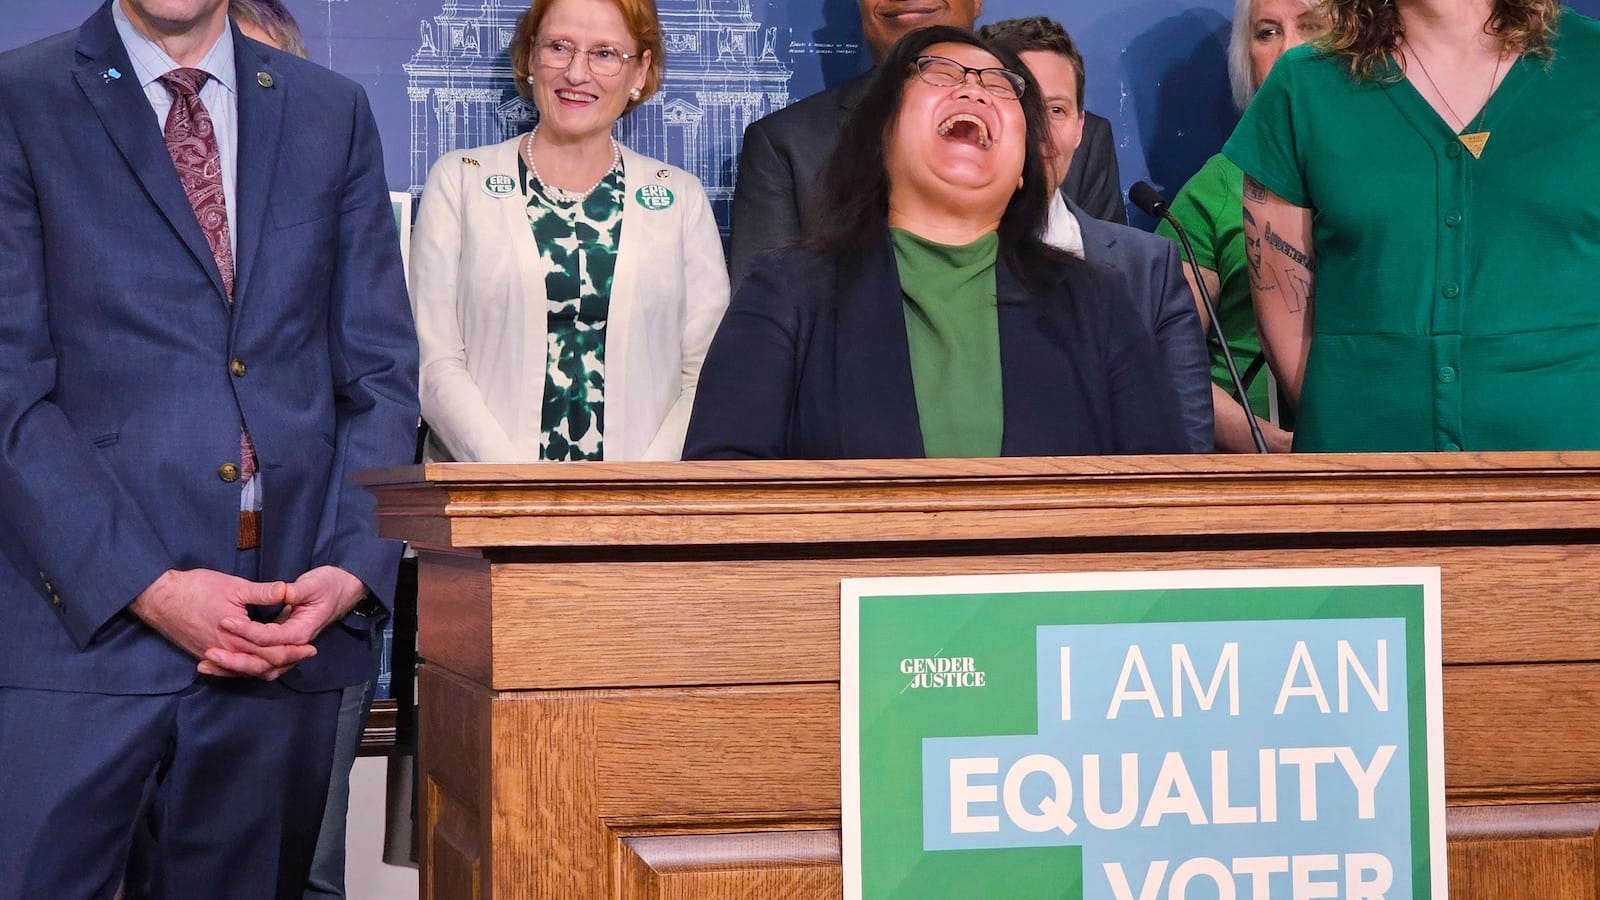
point(1150, 201)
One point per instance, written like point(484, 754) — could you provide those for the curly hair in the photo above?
point(1367, 33)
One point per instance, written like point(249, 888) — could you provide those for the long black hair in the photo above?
point(855, 180)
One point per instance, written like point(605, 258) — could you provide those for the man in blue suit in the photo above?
point(1149, 263)
point(203, 334)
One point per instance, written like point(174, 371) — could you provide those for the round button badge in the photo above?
point(499, 185)
point(654, 196)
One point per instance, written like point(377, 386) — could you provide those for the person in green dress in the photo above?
point(1208, 208)
point(1419, 217)
point(926, 317)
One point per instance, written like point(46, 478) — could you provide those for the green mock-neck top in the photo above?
point(953, 332)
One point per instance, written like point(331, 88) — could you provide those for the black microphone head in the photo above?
point(1148, 199)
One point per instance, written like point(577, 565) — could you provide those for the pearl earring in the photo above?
point(528, 79)
point(635, 94)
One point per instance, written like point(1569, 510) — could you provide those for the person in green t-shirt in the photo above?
point(1208, 208)
point(1419, 212)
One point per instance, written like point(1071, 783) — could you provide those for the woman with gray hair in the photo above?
point(1209, 208)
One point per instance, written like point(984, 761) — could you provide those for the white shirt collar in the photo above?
point(1061, 229)
point(150, 62)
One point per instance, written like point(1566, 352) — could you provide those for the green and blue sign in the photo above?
point(1161, 736)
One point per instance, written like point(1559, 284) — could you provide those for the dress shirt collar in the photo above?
point(150, 62)
point(1061, 229)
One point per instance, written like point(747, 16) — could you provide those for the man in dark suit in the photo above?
point(204, 334)
point(1148, 263)
point(783, 153)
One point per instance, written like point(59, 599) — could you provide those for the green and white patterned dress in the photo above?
point(578, 243)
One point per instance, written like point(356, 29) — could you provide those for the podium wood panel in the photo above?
point(631, 678)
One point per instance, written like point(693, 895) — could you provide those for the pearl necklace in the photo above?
point(562, 195)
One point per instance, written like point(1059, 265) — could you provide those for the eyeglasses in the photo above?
point(941, 72)
point(604, 61)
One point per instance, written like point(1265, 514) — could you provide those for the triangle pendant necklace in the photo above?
point(1474, 141)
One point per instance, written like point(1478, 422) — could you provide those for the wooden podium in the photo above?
point(631, 677)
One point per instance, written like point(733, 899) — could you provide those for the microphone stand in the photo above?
point(1152, 203)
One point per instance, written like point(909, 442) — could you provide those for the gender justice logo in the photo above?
point(942, 672)
point(1162, 743)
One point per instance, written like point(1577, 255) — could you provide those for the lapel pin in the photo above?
point(663, 174)
point(263, 79)
point(110, 75)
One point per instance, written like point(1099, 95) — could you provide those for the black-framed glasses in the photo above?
point(940, 71)
point(603, 60)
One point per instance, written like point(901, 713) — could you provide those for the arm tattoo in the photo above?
point(1299, 296)
point(1252, 255)
point(1291, 281)
point(1276, 242)
point(1253, 191)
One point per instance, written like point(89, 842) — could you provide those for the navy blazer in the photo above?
point(775, 199)
point(813, 363)
point(1161, 294)
point(119, 398)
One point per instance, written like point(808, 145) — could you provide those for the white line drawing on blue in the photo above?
point(725, 69)
point(329, 3)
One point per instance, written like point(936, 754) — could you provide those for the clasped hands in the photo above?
point(207, 614)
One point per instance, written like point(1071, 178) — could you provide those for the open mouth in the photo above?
point(966, 128)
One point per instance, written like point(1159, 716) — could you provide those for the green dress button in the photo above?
point(1450, 290)
point(1453, 150)
point(1446, 374)
point(1452, 447)
point(1452, 218)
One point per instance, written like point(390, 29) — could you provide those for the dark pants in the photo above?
point(232, 774)
point(229, 776)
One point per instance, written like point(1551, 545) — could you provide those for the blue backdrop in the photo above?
point(439, 77)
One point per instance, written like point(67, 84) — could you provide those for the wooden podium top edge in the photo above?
point(1332, 465)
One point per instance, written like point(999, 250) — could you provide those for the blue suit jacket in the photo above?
point(810, 363)
point(1162, 296)
point(117, 405)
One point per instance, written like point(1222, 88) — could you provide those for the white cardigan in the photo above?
point(478, 293)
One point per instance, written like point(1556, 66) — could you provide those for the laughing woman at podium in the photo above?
point(566, 287)
point(926, 317)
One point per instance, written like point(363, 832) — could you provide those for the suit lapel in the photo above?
point(260, 133)
point(877, 400)
point(1097, 238)
point(125, 112)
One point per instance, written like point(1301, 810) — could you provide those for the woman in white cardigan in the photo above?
point(565, 287)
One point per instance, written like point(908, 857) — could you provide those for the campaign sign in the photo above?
point(1237, 735)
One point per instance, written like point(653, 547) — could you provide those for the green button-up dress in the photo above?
point(1457, 298)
